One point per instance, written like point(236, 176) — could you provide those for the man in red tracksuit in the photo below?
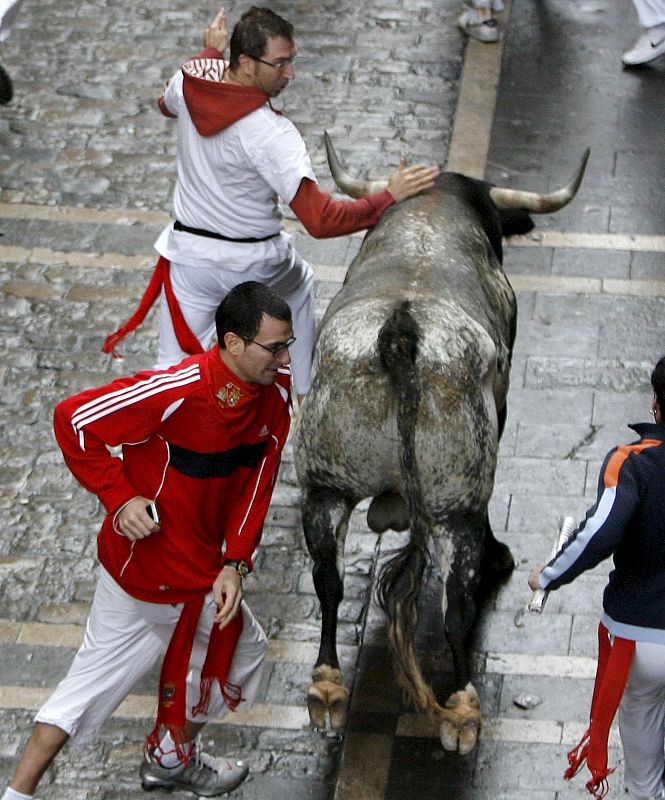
point(201, 446)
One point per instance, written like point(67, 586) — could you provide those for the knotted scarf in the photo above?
point(160, 277)
point(171, 710)
point(614, 660)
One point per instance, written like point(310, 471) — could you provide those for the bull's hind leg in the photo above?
point(325, 517)
point(460, 552)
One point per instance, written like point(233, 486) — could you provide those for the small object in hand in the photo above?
point(151, 508)
point(526, 701)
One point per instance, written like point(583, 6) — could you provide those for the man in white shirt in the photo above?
point(236, 157)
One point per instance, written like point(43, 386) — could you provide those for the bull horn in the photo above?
point(351, 186)
point(540, 203)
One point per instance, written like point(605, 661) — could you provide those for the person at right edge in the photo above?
point(628, 523)
point(236, 157)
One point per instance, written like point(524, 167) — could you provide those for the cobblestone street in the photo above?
point(87, 166)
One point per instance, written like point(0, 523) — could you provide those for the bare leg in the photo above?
point(44, 744)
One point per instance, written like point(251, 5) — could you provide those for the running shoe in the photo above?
point(204, 775)
point(648, 47)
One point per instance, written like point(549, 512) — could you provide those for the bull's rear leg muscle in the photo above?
point(325, 523)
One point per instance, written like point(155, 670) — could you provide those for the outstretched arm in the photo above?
point(601, 532)
point(323, 216)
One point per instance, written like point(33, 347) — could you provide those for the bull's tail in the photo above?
point(401, 576)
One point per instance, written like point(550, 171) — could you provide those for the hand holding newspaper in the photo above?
point(539, 597)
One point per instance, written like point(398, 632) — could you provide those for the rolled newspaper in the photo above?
point(539, 597)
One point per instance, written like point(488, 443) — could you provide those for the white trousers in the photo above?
point(650, 12)
point(199, 291)
point(124, 637)
point(642, 722)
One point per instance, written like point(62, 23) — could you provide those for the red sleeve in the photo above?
point(89, 460)
point(129, 410)
point(248, 513)
point(323, 216)
point(164, 108)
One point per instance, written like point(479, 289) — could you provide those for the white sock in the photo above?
point(12, 794)
point(169, 756)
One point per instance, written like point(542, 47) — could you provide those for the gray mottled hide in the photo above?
point(433, 251)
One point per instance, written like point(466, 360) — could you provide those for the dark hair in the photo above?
point(250, 35)
point(658, 383)
point(243, 308)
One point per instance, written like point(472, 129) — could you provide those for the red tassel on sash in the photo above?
point(614, 660)
point(160, 277)
point(171, 709)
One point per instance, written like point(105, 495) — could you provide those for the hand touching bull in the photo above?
point(410, 181)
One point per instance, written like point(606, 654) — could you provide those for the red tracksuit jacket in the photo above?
point(201, 442)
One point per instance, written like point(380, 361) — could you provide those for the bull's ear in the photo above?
point(540, 203)
point(351, 186)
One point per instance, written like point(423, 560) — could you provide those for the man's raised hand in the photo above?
point(216, 34)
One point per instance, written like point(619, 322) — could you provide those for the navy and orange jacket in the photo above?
point(200, 441)
point(628, 523)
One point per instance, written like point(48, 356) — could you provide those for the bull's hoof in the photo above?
point(317, 706)
point(326, 696)
point(338, 705)
point(460, 721)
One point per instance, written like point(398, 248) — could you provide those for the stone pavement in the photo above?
point(86, 172)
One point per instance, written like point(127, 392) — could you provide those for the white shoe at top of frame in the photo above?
point(648, 47)
point(484, 29)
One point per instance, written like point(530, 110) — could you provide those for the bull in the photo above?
point(407, 406)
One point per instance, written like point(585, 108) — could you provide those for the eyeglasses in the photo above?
point(276, 348)
point(278, 65)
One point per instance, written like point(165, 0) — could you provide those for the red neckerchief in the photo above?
point(614, 660)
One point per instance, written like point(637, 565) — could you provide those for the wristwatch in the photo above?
point(241, 567)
